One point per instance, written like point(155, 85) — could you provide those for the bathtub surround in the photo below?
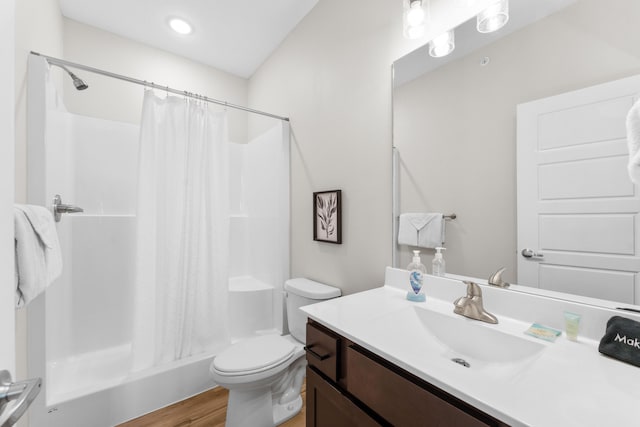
point(182, 228)
point(85, 324)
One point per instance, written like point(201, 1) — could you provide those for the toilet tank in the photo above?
point(300, 292)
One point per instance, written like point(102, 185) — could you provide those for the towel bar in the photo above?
point(450, 216)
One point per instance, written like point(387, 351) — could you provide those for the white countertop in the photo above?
point(565, 384)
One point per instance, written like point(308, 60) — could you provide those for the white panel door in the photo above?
point(578, 222)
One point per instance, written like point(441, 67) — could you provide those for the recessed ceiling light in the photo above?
point(180, 26)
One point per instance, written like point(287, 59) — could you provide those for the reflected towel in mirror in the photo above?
point(425, 230)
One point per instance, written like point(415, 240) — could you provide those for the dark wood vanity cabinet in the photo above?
point(348, 385)
point(328, 406)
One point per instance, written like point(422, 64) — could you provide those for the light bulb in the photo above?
point(415, 32)
point(442, 45)
point(415, 14)
point(414, 19)
point(493, 17)
point(180, 26)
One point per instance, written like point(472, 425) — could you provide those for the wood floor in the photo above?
point(207, 409)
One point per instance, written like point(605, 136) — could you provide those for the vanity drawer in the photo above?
point(402, 400)
point(323, 350)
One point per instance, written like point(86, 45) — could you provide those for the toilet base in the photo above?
point(250, 407)
point(284, 412)
point(255, 408)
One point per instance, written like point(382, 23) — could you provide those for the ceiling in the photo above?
point(236, 36)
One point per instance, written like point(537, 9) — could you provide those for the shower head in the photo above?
point(77, 81)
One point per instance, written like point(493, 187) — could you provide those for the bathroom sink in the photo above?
point(474, 339)
point(422, 333)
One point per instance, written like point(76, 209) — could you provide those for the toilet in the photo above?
point(264, 374)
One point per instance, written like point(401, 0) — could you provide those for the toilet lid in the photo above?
point(254, 354)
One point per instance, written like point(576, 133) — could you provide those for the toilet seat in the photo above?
point(254, 355)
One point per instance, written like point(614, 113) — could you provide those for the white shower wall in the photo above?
point(91, 307)
point(259, 252)
point(93, 165)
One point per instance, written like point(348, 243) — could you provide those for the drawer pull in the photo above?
point(320, 357)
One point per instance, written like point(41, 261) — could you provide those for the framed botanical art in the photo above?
point(327, 216)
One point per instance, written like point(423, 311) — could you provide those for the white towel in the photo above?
point(425, 230)
point(633, 142)
point(38, 256)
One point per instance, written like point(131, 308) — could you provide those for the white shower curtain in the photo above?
point(182, 232)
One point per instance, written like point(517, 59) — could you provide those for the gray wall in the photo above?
point(332, 76)
point(113, 99)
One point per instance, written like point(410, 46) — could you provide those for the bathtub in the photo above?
point(78, 387)
point(90, 396)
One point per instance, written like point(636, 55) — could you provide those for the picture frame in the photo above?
point(327, 216)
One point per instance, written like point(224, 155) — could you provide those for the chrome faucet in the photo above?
point(471, 305)
point(496, 279)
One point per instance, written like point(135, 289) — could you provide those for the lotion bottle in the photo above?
point(417, 270)
point(438, 263)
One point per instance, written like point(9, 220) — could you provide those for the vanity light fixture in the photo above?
point(493, 17)
point(442, 45)
point(180, 26)
point(413, 19)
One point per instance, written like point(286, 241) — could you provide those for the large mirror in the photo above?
point(459, 123)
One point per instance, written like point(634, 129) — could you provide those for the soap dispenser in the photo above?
point(417, 270)
point(438, 263)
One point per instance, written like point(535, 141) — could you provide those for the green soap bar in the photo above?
point(543, 332)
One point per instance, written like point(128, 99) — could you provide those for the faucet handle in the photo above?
point(471, 305)
point(473, 289)
point(496, 279)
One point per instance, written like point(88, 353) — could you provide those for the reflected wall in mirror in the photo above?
point(455, 126)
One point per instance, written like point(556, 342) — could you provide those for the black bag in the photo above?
point(622, 340)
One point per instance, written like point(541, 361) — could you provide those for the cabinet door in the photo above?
point(328, 407)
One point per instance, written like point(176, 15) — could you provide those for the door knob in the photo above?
point(530, 253)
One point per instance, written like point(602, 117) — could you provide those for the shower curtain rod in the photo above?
point(57, 61)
